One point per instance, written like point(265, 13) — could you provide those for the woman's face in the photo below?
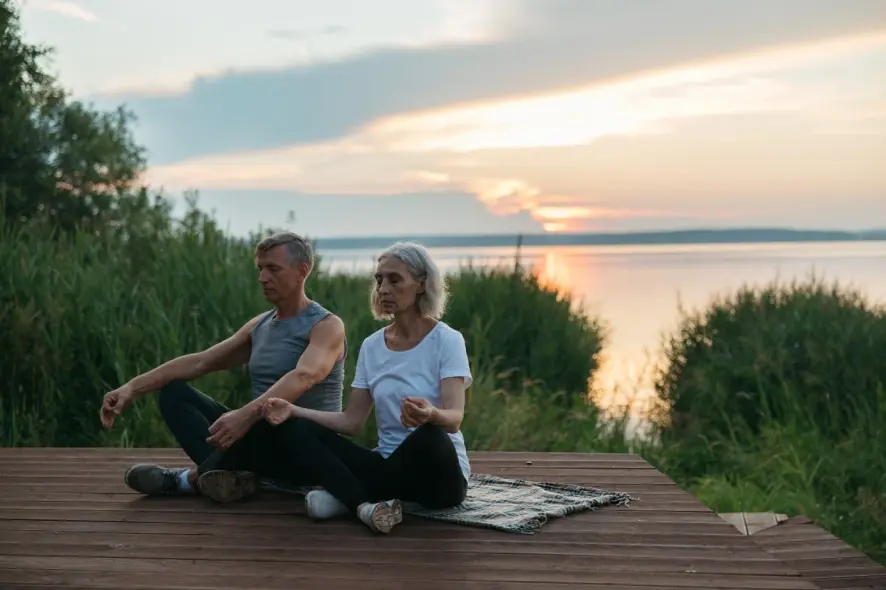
point(395, 289)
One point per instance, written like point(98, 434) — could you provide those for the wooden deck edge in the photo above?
point(821, 557)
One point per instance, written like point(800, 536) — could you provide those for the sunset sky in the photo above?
point(443, 117)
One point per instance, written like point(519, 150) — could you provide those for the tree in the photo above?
point(61, 160)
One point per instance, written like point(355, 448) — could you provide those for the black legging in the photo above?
point(423, 469)
point(189, 413)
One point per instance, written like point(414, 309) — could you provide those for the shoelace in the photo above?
point(170, 478)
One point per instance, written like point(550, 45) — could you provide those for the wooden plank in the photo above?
point(798, 542)
point(262, 514)
point(453, 571)
point(466, 557)
point(616, 533)
point(68, 520)
point(625, 522)
point(186, 581)
point(541, 546)
point(179, 581)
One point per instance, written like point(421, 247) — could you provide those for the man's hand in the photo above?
point(114, 403)
point(276, 411)
point(415, 411)
point(231, 427)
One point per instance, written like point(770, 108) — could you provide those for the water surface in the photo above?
point(637, 290)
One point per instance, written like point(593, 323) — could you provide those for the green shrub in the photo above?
point(772, 399)
point(780, 353)
point(528, 331)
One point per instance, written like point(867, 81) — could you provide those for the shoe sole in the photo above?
point(397, 512)
point(227, 486)
point(385, 517)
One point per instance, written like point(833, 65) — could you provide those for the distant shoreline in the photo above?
point(715, 236)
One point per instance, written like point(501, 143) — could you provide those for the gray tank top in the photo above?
point(276, 347)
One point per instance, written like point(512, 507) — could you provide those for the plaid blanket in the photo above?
point(510, 505)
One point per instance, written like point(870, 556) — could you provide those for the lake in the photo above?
point(637, 290)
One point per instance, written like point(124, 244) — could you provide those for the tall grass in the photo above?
point(81, 315)
point(771, 399)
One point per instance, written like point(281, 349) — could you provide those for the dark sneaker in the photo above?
point(154, 480)
point(227, 486)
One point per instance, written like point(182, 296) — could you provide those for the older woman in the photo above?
point(415, 370)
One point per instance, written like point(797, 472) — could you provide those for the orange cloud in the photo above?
point(635, 105)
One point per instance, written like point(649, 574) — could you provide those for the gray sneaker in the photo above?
point(154, 480)
point(227, 486)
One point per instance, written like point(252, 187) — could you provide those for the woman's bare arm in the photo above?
point(349, 421)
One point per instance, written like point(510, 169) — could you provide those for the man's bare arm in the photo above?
point(228, 353)
point(326, 346)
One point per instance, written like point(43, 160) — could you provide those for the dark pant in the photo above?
point(423, 469)
point(189, 414)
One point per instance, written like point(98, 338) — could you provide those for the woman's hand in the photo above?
point(276, 411)
point(415, 411)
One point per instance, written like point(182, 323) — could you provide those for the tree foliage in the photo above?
point(61, 161)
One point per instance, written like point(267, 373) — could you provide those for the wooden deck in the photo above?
point(68, 521)
point(820, 557)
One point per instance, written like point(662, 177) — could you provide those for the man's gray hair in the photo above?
point(297, 248)
point(431, 303)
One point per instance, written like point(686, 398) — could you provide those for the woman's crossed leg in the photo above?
point(356, 480)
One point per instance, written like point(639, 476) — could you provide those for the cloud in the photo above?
point(648, 104)
point(694, 131)
point(550, 46)
point(300, 35)
point(61, 7)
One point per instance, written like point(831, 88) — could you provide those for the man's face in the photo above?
point(279, 280)
point(396, 290)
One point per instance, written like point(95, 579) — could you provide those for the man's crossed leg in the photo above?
point(221, 475)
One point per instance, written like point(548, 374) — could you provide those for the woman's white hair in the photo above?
point(431, 303)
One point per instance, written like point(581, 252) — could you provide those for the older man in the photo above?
point(295, 351)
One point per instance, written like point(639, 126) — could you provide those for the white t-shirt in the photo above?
point(391, 375)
